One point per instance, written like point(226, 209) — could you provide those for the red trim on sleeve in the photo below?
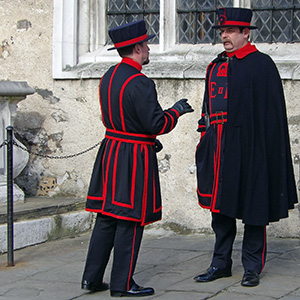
point(172, 120)
point(201, 126)
point(166, 122)
point(177, 113)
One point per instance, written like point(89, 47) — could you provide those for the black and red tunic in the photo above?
point(244, 166)
point(210, 168)
point(125, 180)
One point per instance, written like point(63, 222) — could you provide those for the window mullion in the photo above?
point(102, 9)
point(83, 27)
point(167, 24)
point(69, 33)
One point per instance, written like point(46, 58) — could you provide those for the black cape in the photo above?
point(258, 184)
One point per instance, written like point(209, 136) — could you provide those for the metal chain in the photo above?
point(51, 156)
point(3, 144)
point(56, 157)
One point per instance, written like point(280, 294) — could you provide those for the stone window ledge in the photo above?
point(181, 62)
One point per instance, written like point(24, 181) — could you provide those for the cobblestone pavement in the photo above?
point(168, 263)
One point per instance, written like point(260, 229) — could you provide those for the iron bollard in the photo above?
point(10, 200)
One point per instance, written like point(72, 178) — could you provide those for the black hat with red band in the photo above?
point(234, 16)
point(129, 34)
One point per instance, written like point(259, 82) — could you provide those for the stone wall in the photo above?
point(63, 118)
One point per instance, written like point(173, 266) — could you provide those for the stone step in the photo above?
point(37, 207)
point(41, 219)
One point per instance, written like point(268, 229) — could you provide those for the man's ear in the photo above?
point(246, 32)
point(137, 48)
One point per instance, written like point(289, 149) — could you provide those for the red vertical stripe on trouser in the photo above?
point(264, 251)
point(132, 256)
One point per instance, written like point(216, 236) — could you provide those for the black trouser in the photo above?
point(254, 249)
point(125, 237)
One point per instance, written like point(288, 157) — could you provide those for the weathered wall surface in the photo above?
point(63, 118)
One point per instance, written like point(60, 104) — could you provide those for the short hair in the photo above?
point(125, 51)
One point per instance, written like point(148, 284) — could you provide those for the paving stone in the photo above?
point(53, 270)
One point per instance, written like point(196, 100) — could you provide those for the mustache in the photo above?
point(226, 40)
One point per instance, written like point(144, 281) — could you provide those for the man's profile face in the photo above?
point(145, 53)
point(233, 39)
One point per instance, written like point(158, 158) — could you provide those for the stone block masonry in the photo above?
point(40, 219)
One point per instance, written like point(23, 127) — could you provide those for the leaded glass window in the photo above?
point(196, 18)
point(120, 12)
point(277, 21)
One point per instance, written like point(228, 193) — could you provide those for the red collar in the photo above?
point(132, 63)
point(243, 52)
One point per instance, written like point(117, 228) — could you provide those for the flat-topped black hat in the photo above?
point(234, 16)
point(129, 34)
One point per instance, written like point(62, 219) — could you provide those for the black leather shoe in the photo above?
point(135, 291)
point(94, 287)
point(213, 273)
point(250, 278)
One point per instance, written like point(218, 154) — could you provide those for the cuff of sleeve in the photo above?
point(177, 113)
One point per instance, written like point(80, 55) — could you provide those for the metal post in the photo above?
point(10, 200)
point(299, 178)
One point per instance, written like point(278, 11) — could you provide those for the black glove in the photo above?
point(158, 146)
point(182, 107)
